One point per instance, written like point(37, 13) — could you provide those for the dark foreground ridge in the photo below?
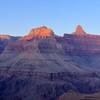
point(44, 66)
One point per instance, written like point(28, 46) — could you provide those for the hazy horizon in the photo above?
point(18, 17)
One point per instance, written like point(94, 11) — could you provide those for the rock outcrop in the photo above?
point(41, 32)
point(79, 31)
point(3, 37)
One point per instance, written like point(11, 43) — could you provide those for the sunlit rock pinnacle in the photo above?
point(79, 30)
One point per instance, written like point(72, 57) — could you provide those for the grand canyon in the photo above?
point(44, 66)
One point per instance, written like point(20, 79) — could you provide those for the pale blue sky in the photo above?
point(17, 17)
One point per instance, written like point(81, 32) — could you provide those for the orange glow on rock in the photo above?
point(5, 37)
point(41, 32)
point(79, 29)
point(26, 38)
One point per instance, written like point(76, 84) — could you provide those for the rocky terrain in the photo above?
point(43, 66)
point(71, 95)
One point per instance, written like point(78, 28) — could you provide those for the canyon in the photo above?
point(43, 66)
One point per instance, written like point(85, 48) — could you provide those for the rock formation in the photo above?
point(42, 65)
point(41, 32)
point(79, 31)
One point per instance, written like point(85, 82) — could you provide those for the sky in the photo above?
point(18, 17)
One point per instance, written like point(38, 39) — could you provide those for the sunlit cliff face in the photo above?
point(41, 32)
point(4, 37)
